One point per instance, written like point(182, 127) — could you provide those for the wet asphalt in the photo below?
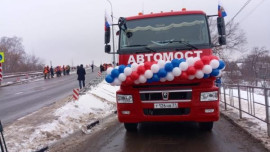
point(19, 100)
point(170, 137)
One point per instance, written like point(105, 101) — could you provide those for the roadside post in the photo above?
point(2, 60)
point(2, 139)
point(1, 75)
point(76, 93)
point(267, 110)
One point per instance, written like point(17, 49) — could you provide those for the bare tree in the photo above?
point(232, 73)
point(255, 65)
point(16, 60)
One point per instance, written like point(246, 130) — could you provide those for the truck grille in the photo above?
point(166, 95)
point(162, 112)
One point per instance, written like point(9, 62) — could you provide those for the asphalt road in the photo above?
point(19, 100)
point(163, 137)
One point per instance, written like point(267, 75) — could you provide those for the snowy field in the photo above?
point(46, 126)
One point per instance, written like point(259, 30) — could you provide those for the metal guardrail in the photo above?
point(3, 146)
point(248, 100)
point(93, 83)
point(30, 73)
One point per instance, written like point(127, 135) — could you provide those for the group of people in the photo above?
point(103, 67)
point(58, 70)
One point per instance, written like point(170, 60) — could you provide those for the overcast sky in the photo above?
point(66, 31)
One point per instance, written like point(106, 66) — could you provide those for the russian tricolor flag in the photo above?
point(221, 10)
point(107, 20)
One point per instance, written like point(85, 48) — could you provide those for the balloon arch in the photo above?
point(161, 71)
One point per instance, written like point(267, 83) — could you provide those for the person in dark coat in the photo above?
point(81, 76)
point(52, 72)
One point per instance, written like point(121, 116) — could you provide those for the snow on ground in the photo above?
point(50, 124)
point(252, 106)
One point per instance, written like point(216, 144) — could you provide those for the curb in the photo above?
point(243, 129)
point(93, 124)
point(43, 149)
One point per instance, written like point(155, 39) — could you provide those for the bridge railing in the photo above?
point(250, 100)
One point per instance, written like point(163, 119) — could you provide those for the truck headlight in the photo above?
point(209, 96)
point(124, 98)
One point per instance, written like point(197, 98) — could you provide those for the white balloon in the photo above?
point(183, 66)
point(134, 66)
point(142, 79)
point(137, 82)
point(163, 79)
point(199, 74)
point(196, 59)
point(169, 76)
point(127, 71)
point(207, 69)
point(122, 77)
point(141, 64)
point(190, 61)
point(148, 74)
point(161, 63)
point(191, 77)
point(109, 70)
point(214, 63)
point(117, 82)
point(176, 71)
point(167, 62)
point(155, 68)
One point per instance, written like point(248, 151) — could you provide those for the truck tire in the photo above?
point(131, 127)
point(206, 126)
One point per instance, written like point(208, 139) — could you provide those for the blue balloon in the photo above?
point(129, 65)
point(121, 68)
point(168, 67)
point(162, 73)
point(115, 73)
point(215, 72)
point(155, 78)
point(175, 62)
point(182, 60)
point(206, 76)
point(109, 79)
point(149, 80)
point(221, 64)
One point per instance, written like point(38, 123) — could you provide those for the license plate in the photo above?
point(165, 105)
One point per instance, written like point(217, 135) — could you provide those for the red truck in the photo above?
point(167, 71)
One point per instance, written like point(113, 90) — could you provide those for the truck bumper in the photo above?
point(194, 110)
point(197, 114)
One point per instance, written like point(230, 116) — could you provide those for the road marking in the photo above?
point(18, 93)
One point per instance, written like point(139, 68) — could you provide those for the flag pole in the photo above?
point(112, 33)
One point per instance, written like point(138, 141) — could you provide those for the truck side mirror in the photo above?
point(107, 34)
point(221, 26)
point(222, 40)
point(221, 31)
point(107, 48)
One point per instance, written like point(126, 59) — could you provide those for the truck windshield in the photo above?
point(181, 32)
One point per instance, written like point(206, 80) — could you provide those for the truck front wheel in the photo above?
point(131, 127)
point(206, 126)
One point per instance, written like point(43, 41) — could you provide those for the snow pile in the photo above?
point(31, 134)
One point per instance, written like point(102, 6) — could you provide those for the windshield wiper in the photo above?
point(144, 46)
point(185, 43)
